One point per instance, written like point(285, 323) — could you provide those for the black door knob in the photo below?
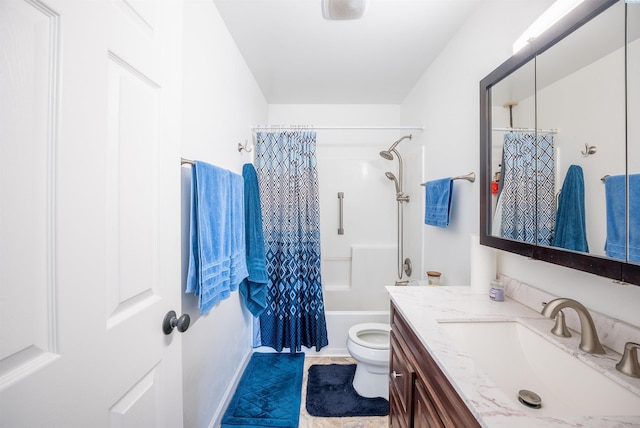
point(172, 321)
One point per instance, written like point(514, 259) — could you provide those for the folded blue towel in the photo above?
point(438, 199)
point(615, 197)
point(208, 276)
point(238, 258)
point(571, 228)
point(254, 288)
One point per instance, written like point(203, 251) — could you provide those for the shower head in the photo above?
point(393, 178)
point(386, 154)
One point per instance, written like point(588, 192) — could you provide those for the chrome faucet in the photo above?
point(589, 341)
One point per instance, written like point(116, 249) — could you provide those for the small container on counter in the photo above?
point(433, 277)
point(496, 292)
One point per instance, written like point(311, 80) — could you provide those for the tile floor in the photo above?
point(308, 421)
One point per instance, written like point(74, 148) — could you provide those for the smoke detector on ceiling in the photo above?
point(343, 9)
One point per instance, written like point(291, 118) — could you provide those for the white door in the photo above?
point(89, 213)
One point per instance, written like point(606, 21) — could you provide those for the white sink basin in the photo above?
point(516, 358)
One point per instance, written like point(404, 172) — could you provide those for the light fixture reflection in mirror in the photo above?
point(556, 11)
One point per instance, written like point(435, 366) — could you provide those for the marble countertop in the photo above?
point(424, 306)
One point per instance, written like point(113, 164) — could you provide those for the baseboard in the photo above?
point(228, 395)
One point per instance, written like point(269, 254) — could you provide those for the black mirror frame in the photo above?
point(610, 268)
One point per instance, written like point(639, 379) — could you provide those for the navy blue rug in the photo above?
point(330, 393)
point(269, 392)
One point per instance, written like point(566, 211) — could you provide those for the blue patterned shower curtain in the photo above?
point(288, 178)
point(528, 189)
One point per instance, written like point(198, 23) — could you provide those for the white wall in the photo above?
point(446, 100)
point(221, 101)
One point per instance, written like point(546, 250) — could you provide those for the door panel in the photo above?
point(132, 197)
point(90, 182)
point(27, 96)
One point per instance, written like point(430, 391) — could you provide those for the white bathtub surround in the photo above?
point(356, 283)
point(423, 307)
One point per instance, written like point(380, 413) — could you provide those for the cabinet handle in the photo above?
point(394, 375)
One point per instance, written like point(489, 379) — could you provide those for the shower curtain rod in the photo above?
point(541, 131)
point(330, 128)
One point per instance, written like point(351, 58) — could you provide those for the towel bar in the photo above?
point(469, 177)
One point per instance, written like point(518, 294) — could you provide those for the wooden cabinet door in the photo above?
point(401, 381)
point(398, 418)
point(425, 414)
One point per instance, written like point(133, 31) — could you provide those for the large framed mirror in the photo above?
point(560, 149)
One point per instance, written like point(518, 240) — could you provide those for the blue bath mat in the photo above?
point(330, 393)
point(269, 392)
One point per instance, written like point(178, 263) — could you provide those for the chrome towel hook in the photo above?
point(589, 150)
point(244, 147)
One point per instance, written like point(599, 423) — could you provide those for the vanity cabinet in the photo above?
point(420, 395)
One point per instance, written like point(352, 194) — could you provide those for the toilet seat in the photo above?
point(371, 335)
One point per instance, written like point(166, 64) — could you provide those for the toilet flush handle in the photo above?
point(395, 375)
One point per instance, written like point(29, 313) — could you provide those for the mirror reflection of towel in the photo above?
point(615, 198)
point(571, 228)
point(438, 198)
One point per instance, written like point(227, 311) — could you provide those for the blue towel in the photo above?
point(254, 288)
point(615, 196)
point(571, 228)
point(438, 199)
point(211, 235)
point(238, 258)
point(634, 218)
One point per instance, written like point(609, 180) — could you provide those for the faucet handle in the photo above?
point(560, 329)
point(629, 363)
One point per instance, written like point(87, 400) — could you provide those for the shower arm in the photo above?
point(393, 146)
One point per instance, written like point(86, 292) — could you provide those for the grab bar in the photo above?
point(340, 225)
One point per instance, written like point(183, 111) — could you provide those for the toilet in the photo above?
point(368, 344)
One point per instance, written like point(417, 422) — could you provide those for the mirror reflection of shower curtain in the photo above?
point(526, 204)
point(288, 179)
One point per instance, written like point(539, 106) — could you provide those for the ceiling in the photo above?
point(298, 57)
